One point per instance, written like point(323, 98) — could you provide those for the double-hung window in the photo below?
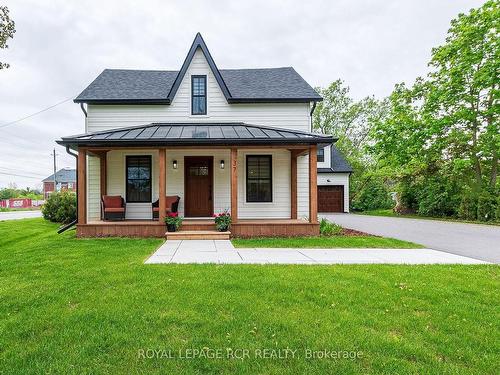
point(138, 179)
point(259, 178)
point(198, 95)
point(320, 155)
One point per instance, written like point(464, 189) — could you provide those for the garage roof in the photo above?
point(338, 164)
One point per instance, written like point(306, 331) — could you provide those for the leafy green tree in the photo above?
point(346, 119)
point(351, 122)
point(7, 30)
point(462, 98)
point(440, 139)
point(8, 193)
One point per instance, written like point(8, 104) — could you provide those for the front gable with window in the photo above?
point(198, 94)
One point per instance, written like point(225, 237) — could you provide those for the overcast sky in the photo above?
point(61, 46)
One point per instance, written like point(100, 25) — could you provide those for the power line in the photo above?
point(10, 170)
point(34, 114)
point(19, 175)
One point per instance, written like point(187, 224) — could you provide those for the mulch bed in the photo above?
point(353, 233)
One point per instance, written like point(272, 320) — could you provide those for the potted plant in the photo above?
point(222, 221)
point(173, 221)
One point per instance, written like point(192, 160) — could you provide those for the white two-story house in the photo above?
point(198, 141)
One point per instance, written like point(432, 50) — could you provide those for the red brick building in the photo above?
point(65, 180)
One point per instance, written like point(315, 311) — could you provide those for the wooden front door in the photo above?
point(198, 186)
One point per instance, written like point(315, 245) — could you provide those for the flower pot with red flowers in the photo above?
point(223, 221)
point(173, 221)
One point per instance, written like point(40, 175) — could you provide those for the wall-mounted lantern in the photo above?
point(174, 164)
point(222, 164)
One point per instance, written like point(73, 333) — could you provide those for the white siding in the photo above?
point(303, 186)
point(287, 115)
point(93, 188)
point(279, 208)
point(116, 181)
point(336, 179)
point(328, 158)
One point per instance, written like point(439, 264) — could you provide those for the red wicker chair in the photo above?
point(112, 207)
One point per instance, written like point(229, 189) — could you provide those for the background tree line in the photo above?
point(14, 192)
point(435, 142)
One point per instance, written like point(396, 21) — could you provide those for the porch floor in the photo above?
point(243, 228)
point(193, 221)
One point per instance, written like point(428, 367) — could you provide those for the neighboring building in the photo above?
point(333, 180)
point(65, 178)
point(237, 139)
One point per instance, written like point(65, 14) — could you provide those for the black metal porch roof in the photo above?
point(196, 134)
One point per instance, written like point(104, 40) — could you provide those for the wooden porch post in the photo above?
point(104, 173)
point(163, 184)
point(313, 184)
point(234, 184)
point(82, 186)
point(293, 184)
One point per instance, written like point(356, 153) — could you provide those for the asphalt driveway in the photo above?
point(471, 240)
point(13, 215)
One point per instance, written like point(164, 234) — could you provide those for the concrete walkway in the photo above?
point(223, 252)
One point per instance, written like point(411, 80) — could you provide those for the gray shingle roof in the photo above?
point(338, 164)
point(196, 134)
point(282, 83)
point(63, 175)
point(272, 84)
point(123, 84)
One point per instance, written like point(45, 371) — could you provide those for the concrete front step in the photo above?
point(198, 235)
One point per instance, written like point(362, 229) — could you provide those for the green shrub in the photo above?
point(487, 206)
point(327, 228)
point(468, 207)
point(373, 195)
point(484, 206)
point(407, 194)
point(60, 207)
point(438, 197)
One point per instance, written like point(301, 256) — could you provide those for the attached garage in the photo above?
point(331, 198)
point(333, 181)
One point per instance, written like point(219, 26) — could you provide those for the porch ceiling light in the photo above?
point(174, 164)
point(222, 164)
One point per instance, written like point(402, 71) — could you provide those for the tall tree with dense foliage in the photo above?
point(441, 138)
point(7, 30)
point(351, 122)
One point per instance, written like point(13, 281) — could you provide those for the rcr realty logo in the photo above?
point(245, 353)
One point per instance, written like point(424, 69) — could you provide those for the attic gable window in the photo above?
point(198, 95)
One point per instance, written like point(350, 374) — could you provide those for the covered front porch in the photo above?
point(269, 187)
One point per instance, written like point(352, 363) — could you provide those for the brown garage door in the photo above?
point(331, 198)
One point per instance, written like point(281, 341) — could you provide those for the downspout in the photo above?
point(83, 109)
point(68, 226)
point(311, 114)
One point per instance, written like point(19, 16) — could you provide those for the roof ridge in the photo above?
point(266, 68)
point(142, 70)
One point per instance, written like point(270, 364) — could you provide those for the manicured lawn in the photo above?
point(327, 242)
point(391, 213)
point(91, 306)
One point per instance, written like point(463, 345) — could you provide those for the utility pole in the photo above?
point(55, 169)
